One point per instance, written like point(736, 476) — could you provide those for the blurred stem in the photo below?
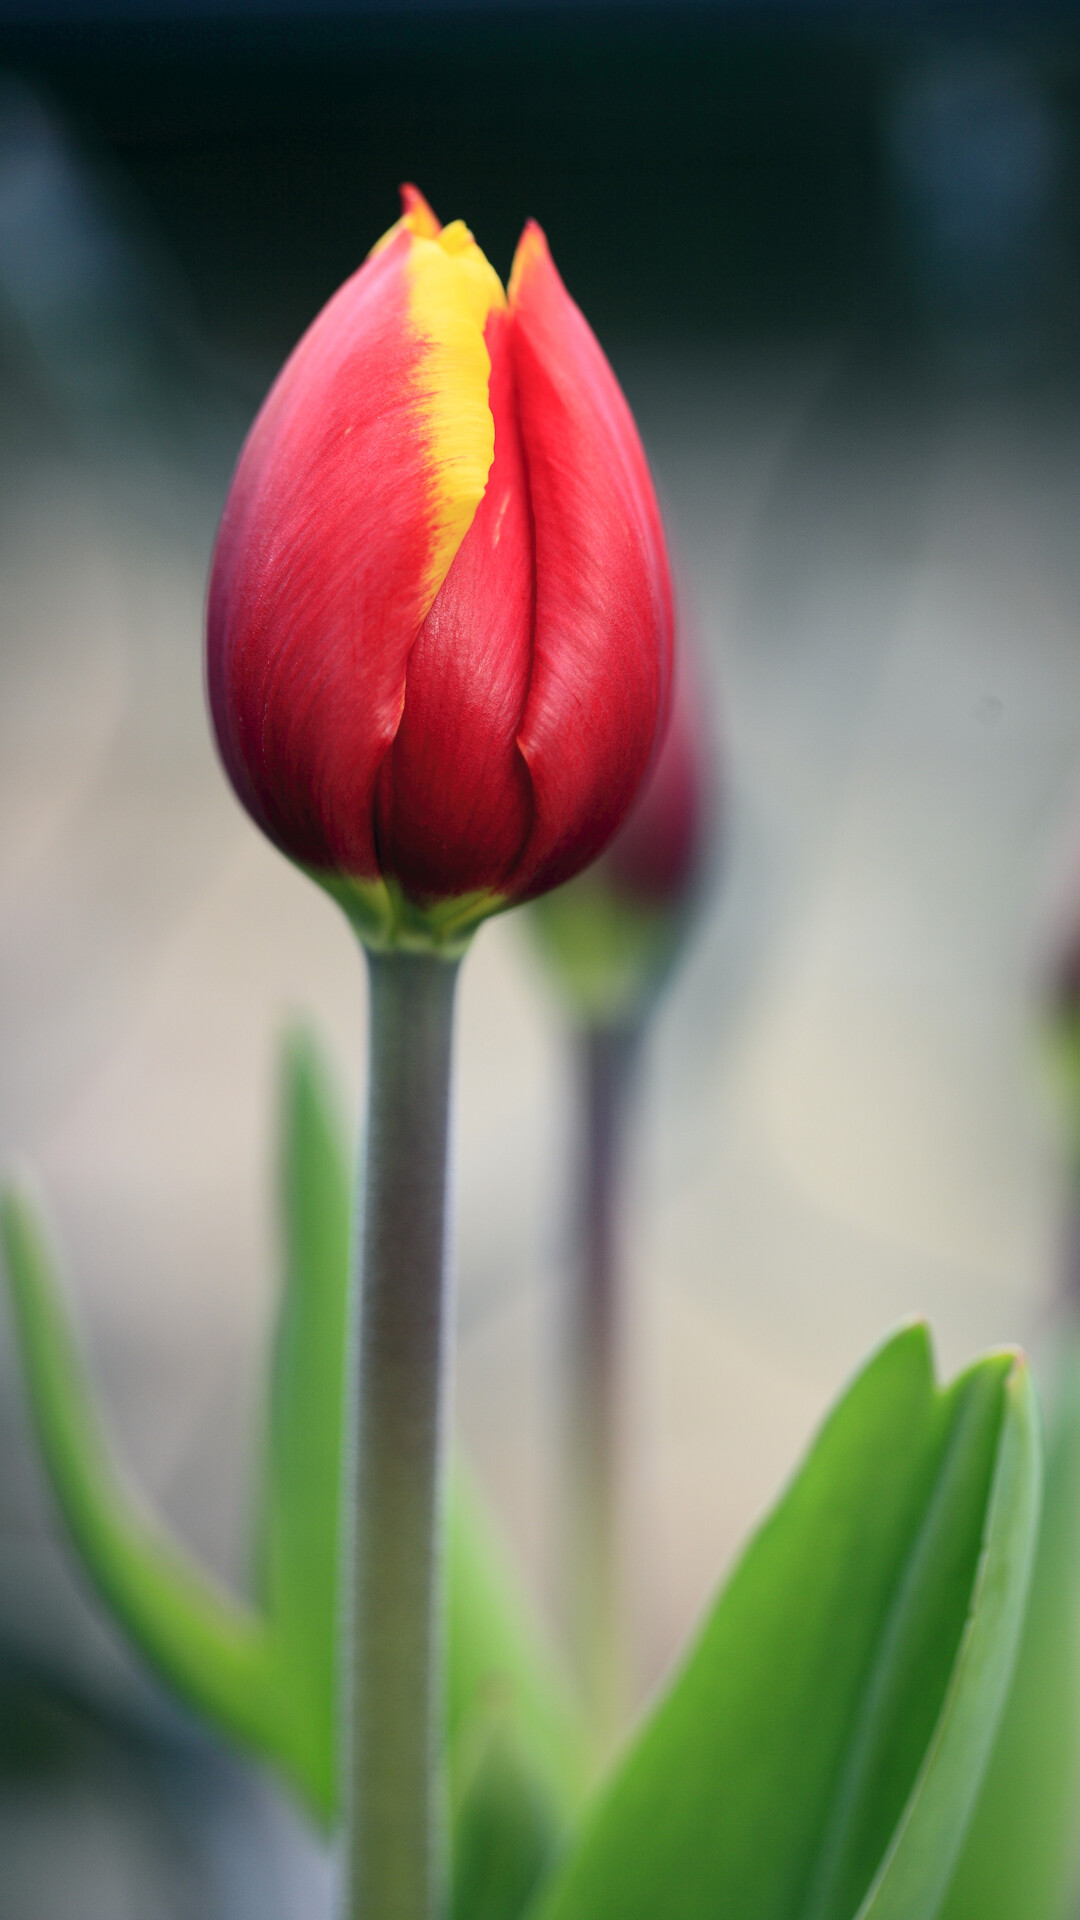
point(1070, 1264)
point(393, 1664)
point(1069, 1270)
point(608, 1060)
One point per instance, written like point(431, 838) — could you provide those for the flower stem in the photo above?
point(608, 1061)
point(393, 1677)
point(1069, 1270)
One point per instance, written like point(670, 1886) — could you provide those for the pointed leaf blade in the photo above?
point(1022, 1851)
point(915, 1874)
point(508, 1826)
point(300, 1536)
point(772, 1779)
point(516, 1742)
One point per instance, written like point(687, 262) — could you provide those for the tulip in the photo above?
point(612, 934)
point(440, 608)
point(439, 646)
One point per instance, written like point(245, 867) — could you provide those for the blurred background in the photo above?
point(834, 256)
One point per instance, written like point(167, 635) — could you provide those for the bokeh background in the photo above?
point(834, 255)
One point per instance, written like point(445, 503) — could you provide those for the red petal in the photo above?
point(454, 797)
point(323, 571)
point(602, 648)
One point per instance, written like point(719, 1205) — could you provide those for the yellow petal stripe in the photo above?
point(452, 290)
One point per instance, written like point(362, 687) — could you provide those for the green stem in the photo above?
point(397, 1372)
point(608, 1060)
point(1069, 1267)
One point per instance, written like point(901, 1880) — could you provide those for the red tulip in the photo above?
point(656, 856)
point(440, 610)
point(613, 933)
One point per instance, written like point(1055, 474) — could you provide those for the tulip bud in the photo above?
point(1063, 986)
point(1061, 1034)
point(612, 934)
point(439, 622)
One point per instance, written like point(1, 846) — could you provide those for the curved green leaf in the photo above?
point(506, 1829)
point(1021, 1858)
point(817, 1757)
point(498, 1656)
point(209, 1647)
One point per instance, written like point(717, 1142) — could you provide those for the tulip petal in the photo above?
point(415, 209)
point(454, 795)
point(416, 217)
point(356, 487)
point(602, 649)
point(452, 292)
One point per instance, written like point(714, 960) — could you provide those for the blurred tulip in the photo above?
point(612, 934)
point(1063, 986)
point(440, 609)
point(1061, 1014)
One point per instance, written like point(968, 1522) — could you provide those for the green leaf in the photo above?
point(301, 1524)
point(498, 1654)
point(819, 1753)
point(212, 1650)
point(507, 1829)
point(516, 1741)
point(1021, 1858)
point(264, 1675)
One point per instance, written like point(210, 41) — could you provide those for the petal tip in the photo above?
point(416, 218)
point(532, 250)
point(417, 214)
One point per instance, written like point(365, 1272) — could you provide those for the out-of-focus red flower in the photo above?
point(656, 855)
point(439, 622)
point(613, 933)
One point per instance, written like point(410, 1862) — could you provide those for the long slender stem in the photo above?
point(608, 1060)
point(397, 1378)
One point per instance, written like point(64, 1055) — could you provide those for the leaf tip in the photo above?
point(300, 1053)
point(913, 1341)
point(22, 1228)
point(1018, 1384)
point(306, 1076)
